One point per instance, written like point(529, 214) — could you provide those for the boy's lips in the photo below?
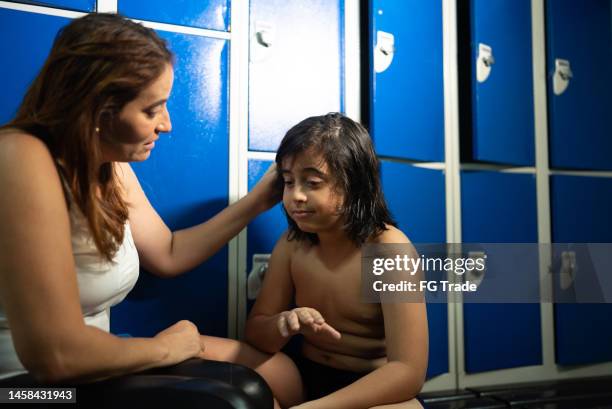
point(301, 214)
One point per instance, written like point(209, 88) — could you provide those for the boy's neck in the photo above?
point(335, 240)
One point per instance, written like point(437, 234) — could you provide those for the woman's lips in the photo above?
point(150, 145)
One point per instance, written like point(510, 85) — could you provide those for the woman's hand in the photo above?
point(304, 320)
point(182, 341)
point(268, 191)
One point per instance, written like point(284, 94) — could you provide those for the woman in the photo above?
point(75, 223)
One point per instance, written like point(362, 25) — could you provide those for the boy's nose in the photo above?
point(298, 195)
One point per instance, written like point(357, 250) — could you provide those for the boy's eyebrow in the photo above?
point(308, 169)
point(314, 170)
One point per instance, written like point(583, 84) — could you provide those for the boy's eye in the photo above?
point(151, 114)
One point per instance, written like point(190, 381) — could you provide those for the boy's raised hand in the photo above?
point(304, 320)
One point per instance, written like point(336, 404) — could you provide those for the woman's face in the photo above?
point(140, 122)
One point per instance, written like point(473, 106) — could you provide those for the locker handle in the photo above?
point(561, 77)
point(484, 62)
point(264, 38)
point(568, 269)
point(488, 60)
point(383, 51)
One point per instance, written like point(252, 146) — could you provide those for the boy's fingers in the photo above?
point(331, 331)
point(305, 316)
point(318, 318)
point(282, 326)
point(293, 321)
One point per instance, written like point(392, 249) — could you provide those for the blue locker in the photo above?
point(407, 98)
point(502, 104)
point(500, 208)
point(26, 50)
point(78, 5)
point(209, 14)
point(266, 229)
point(296, 66)
point(580, 213)
point(579, 118)
point(186, 180)
point(416, 198)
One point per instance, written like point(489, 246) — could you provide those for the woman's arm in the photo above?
point(38, 284)
point(166, 253)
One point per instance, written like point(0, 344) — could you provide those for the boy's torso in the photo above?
point(331, 284)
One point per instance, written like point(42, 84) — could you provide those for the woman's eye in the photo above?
point(151, 114)
point(288, 182)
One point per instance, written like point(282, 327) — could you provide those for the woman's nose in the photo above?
point(166, 124)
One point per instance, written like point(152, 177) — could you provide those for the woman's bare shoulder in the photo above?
point(21, 151)
point(16, 141)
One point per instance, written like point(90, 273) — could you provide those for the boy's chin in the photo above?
point(306, 228)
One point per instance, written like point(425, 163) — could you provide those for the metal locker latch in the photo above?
point(256, 276)
point(568, 269)
point(262, 40)
point(562, 76)
point(384, 51)
point(476, 274)
point(484, 62)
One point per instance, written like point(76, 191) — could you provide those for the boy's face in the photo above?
point(310, 195)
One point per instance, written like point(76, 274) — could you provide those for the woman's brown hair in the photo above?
point(98, 63)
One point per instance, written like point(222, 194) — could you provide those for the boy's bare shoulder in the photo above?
point(285, 245)
point(391, 235)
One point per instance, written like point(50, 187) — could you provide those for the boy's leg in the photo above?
point(278, 370)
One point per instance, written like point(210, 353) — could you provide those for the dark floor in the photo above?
point(592, 393)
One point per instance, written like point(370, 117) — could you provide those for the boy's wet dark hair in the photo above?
point(347, 149)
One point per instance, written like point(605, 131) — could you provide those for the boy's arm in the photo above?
point(402, 377)
point(275, 297)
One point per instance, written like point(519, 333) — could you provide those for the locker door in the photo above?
point(579, 118)
point(502, 104)
point(186, 180)
point(210, 14)
point(416, 199)
point(581, 214)
point(267, 228)
point(78, 5)
point(407, 98)
point(500, 208)
point(296, 62)
point(26, 50)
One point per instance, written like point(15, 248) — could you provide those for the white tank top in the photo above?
point(102, 284)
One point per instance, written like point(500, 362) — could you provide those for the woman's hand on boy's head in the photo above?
point(268, 190)
point(304, 320)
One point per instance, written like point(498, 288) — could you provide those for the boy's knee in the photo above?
point(252, 384)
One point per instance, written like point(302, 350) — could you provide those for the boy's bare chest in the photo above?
point(332, 285)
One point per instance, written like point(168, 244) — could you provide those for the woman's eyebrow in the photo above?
point(157, 103)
